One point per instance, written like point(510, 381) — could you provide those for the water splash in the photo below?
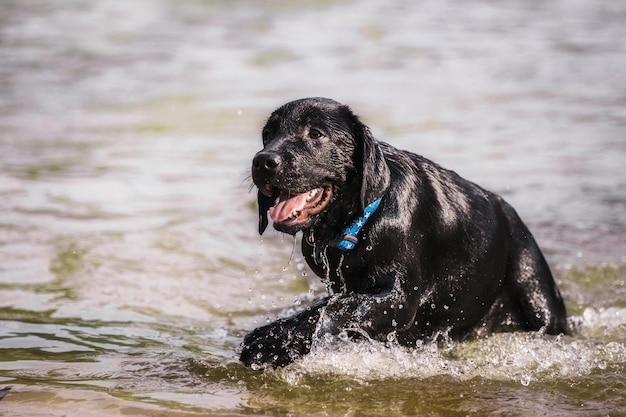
point(524, 357)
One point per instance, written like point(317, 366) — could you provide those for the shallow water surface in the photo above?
point(130, 265)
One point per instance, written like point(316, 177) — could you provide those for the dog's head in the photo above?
point(317, 155)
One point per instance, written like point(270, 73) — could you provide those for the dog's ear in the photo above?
point(376, 176)
point(264, 203)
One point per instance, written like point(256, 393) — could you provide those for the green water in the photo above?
point(130, 267)
point(186, 366)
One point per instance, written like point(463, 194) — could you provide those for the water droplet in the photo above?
point(368, 248)
point(433, 306)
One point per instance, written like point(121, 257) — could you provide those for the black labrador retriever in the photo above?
point(408, 250)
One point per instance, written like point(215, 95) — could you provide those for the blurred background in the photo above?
point(130, 265)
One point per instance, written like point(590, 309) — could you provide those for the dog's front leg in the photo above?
point(283, 341)
point(374, 315)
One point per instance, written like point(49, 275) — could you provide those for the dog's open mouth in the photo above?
point(295, 208)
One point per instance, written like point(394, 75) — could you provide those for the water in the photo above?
point(131, 267)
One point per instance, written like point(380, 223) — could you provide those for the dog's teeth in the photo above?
point(313, 194)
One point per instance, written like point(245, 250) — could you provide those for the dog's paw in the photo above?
point(276, 345)
point(264, 348)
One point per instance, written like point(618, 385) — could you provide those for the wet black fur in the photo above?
point(441, 255)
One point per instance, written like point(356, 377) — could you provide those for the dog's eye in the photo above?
point(266, 136)
point(315, 134)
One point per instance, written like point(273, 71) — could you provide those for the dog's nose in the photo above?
point(266, 161)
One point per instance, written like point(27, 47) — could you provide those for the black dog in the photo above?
point(405, 247)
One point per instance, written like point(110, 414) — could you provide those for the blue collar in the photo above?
point(348, 238)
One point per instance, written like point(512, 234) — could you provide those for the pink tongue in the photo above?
point(285, 208)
